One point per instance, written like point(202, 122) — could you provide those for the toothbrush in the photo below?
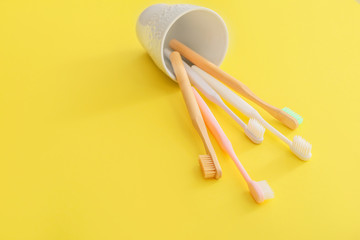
point(209, 162)
point(254, 130)
point(261, 190)
point(286, 116)
point(299, 146)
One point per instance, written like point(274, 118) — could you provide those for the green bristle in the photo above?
point(293, 114)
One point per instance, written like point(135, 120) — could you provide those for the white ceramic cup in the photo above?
point(201, 29)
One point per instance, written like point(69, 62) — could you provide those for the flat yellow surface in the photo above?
point(96, 143)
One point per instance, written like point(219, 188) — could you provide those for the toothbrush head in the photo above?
point(255, 131)
point(208, 167)
point(301, 148)
point(298, 118)
point(260, 191)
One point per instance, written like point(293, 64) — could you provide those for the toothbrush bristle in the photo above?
point(207, 166)
point(293, 114)
point(301, 148)
point(266, 189)
point(256, 129)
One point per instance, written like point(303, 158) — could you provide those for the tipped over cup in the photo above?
point(201, 29)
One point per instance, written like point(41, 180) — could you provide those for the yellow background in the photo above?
point(96, 143)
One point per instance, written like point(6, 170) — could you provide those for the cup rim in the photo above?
point(199, 8)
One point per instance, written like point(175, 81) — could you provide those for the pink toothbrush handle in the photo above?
point(218, 133)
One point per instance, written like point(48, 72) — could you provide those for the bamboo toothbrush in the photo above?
point(300, 147)
point(254, 130)
point(209, 162)
point(261, 190)
point(288, 118)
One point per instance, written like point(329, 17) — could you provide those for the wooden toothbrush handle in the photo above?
point(190, 101)
point(232, 82)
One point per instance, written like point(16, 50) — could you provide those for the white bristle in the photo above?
point(266, 189)
point(255, 131)
point(301, 148)
point(256, 128)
